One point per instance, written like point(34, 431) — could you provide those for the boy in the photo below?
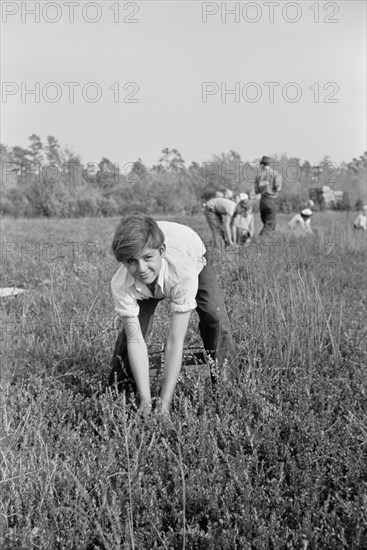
point(361, 220)
point(163, 260)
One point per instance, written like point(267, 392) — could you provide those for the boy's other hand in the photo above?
point(145, 408)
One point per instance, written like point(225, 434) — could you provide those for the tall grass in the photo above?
point(277, 460)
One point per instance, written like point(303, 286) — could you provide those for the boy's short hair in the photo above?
point(133, 234)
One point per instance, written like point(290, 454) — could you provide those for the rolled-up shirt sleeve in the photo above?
point(184, 293)
point(126, 305)
point(124, 297)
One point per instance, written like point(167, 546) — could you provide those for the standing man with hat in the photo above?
point(268, 183)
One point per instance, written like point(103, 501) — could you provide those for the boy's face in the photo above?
point(146, 266)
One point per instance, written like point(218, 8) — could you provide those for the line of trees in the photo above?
point(50, 180)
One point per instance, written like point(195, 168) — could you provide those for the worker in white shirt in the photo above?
point(361, 220)
point(219, 214)
point(301, 223)
point(243, 227)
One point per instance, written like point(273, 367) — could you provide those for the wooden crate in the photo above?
point(194, 362)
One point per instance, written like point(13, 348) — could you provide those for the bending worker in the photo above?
point(219, 213)
point(301, 223)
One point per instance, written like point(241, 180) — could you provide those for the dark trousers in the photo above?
point(213, 326)
point(215, 222)
point(268, 210)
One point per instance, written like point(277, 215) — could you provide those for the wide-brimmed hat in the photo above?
point(306, 212)
point(265, 161)
point(243, 196)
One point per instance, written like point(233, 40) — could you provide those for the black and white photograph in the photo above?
point(183, 333)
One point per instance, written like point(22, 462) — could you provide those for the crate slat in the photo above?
point(193, 362)
point(199, 370)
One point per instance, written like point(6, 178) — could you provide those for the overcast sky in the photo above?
point(297, 70)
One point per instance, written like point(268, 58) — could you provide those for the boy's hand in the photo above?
point(163, 409)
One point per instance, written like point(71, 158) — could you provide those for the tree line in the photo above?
point(51, 180)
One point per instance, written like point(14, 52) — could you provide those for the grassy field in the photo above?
point(277, 461)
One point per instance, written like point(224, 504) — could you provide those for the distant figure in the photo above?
point(243, 227)
point(219, 195)
point(301, 223)
point(240, 197)
point(268, 183)
point(243, 220)
point(361, 220)
point(219, 214)
point(228, 194)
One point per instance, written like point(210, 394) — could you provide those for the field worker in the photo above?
point(268, 183)
point(219, 214)
point(361, 220)
point(240, 197)
point(163, 260)
point(301, 223)
point(243, 227)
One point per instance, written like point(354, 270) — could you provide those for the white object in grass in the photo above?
point(10, 291)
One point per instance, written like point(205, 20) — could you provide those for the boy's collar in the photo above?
point(160, 280)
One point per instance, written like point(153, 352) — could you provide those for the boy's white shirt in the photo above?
point(182, 262)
